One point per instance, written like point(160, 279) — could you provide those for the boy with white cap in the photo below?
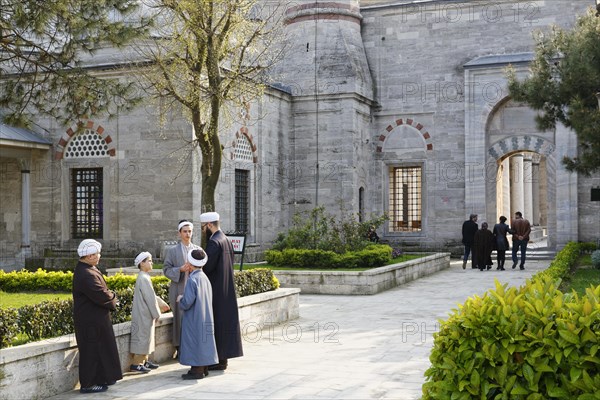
point(145, 312)
point(198, 348)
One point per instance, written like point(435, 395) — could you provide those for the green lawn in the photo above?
point(16, 300)
point(583, 278)
point(406, 257)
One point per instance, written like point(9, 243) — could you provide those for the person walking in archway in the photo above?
point(520, 229)
point(500, 231)
point(469, 228)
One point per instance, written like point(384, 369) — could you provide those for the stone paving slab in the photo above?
point(341, 347)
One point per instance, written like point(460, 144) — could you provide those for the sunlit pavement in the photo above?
point(342, 347)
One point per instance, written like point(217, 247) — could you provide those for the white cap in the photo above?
point(209, 217)
point(185, 223)
point(88, 246)
point(195, 257)
point(141, 257)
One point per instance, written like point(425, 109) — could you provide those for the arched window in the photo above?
point(87, 144)
point(243, 149)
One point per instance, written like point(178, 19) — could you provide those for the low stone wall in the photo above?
point(363, 282)
point(49, 367)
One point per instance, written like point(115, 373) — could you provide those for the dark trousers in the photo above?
point(519, 244)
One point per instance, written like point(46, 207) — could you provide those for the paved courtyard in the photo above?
point(341, 347)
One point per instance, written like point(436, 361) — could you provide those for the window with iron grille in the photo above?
point(86, 203)
point(405, 199)
point(242, 200)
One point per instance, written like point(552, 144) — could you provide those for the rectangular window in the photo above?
point(405, 209)
point(86, 203)
point(242, 200)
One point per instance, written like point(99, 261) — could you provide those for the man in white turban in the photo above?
point(219, 269)
point(177, 268)
point(99, 364)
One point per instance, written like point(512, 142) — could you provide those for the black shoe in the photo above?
point(522, 267)
point(139, 368)
point(190, 376)
point(94, 389)
point(489, 267)
point(221, 366)
point(514, 265)
point(502, 269)
point(151, 365)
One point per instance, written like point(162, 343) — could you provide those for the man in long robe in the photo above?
point(99, 364)
point(483, 244)
point(219, 270)
point(177, 268)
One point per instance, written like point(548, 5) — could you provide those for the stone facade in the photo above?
point(365, 91)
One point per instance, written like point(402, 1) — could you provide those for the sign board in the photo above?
point(239, 245)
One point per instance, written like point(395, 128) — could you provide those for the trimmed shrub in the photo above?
point(372, 256)
point(253, 281)
point(534, 342)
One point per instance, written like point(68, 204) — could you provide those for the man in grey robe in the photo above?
point(177, 268)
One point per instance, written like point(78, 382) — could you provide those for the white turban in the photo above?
point(141, 257)
point(185, 223)
point(209, 217)
point(88, 246)
point(195, 257)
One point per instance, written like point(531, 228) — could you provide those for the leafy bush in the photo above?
point(25, 281)
point(370, 257)
point(258, 280)
point(319, 231)
point(9, 326)
point(596, 259)
point(529, 343)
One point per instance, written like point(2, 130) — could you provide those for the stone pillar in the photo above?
point(516, 185)
point(527, 187)
point(25, 164)
point(506, 189)
point(535, 189)
point(565, 199)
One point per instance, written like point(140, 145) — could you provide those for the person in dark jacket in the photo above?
point(500, 231)
point(483, 244)
point(99, 364)
point(469, 228)
point(219, 269)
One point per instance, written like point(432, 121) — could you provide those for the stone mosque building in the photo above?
point(381, 106)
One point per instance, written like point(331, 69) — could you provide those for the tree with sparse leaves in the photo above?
point(565, 86)
point(208, 58)
point(43, 46)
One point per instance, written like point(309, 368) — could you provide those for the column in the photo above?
point(516, 185)
point(527, 187)
point(506, 189)
point(535, 189)
point(25, 207)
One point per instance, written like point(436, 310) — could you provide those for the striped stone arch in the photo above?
point(89, 125)
point(411, 122)
point(243, 132)
point(513, 144)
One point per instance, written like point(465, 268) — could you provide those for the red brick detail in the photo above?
point(253, 147)
point(100, 130)
point(58, 155)
point(426, 135)
point(381, 138)
point(389, 128)
point(62, 142)
point(429, 146)
point(108, 139)
point(254, 159)
point(399, 122)
point(409, 121)
point(112, 152)
point(419, 126)
point(89, 125)
point(244, 130)
point(379, 149)
point(70, 132)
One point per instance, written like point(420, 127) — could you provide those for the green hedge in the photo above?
point(534, 342)
point(55, 318)
point(371, 257)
